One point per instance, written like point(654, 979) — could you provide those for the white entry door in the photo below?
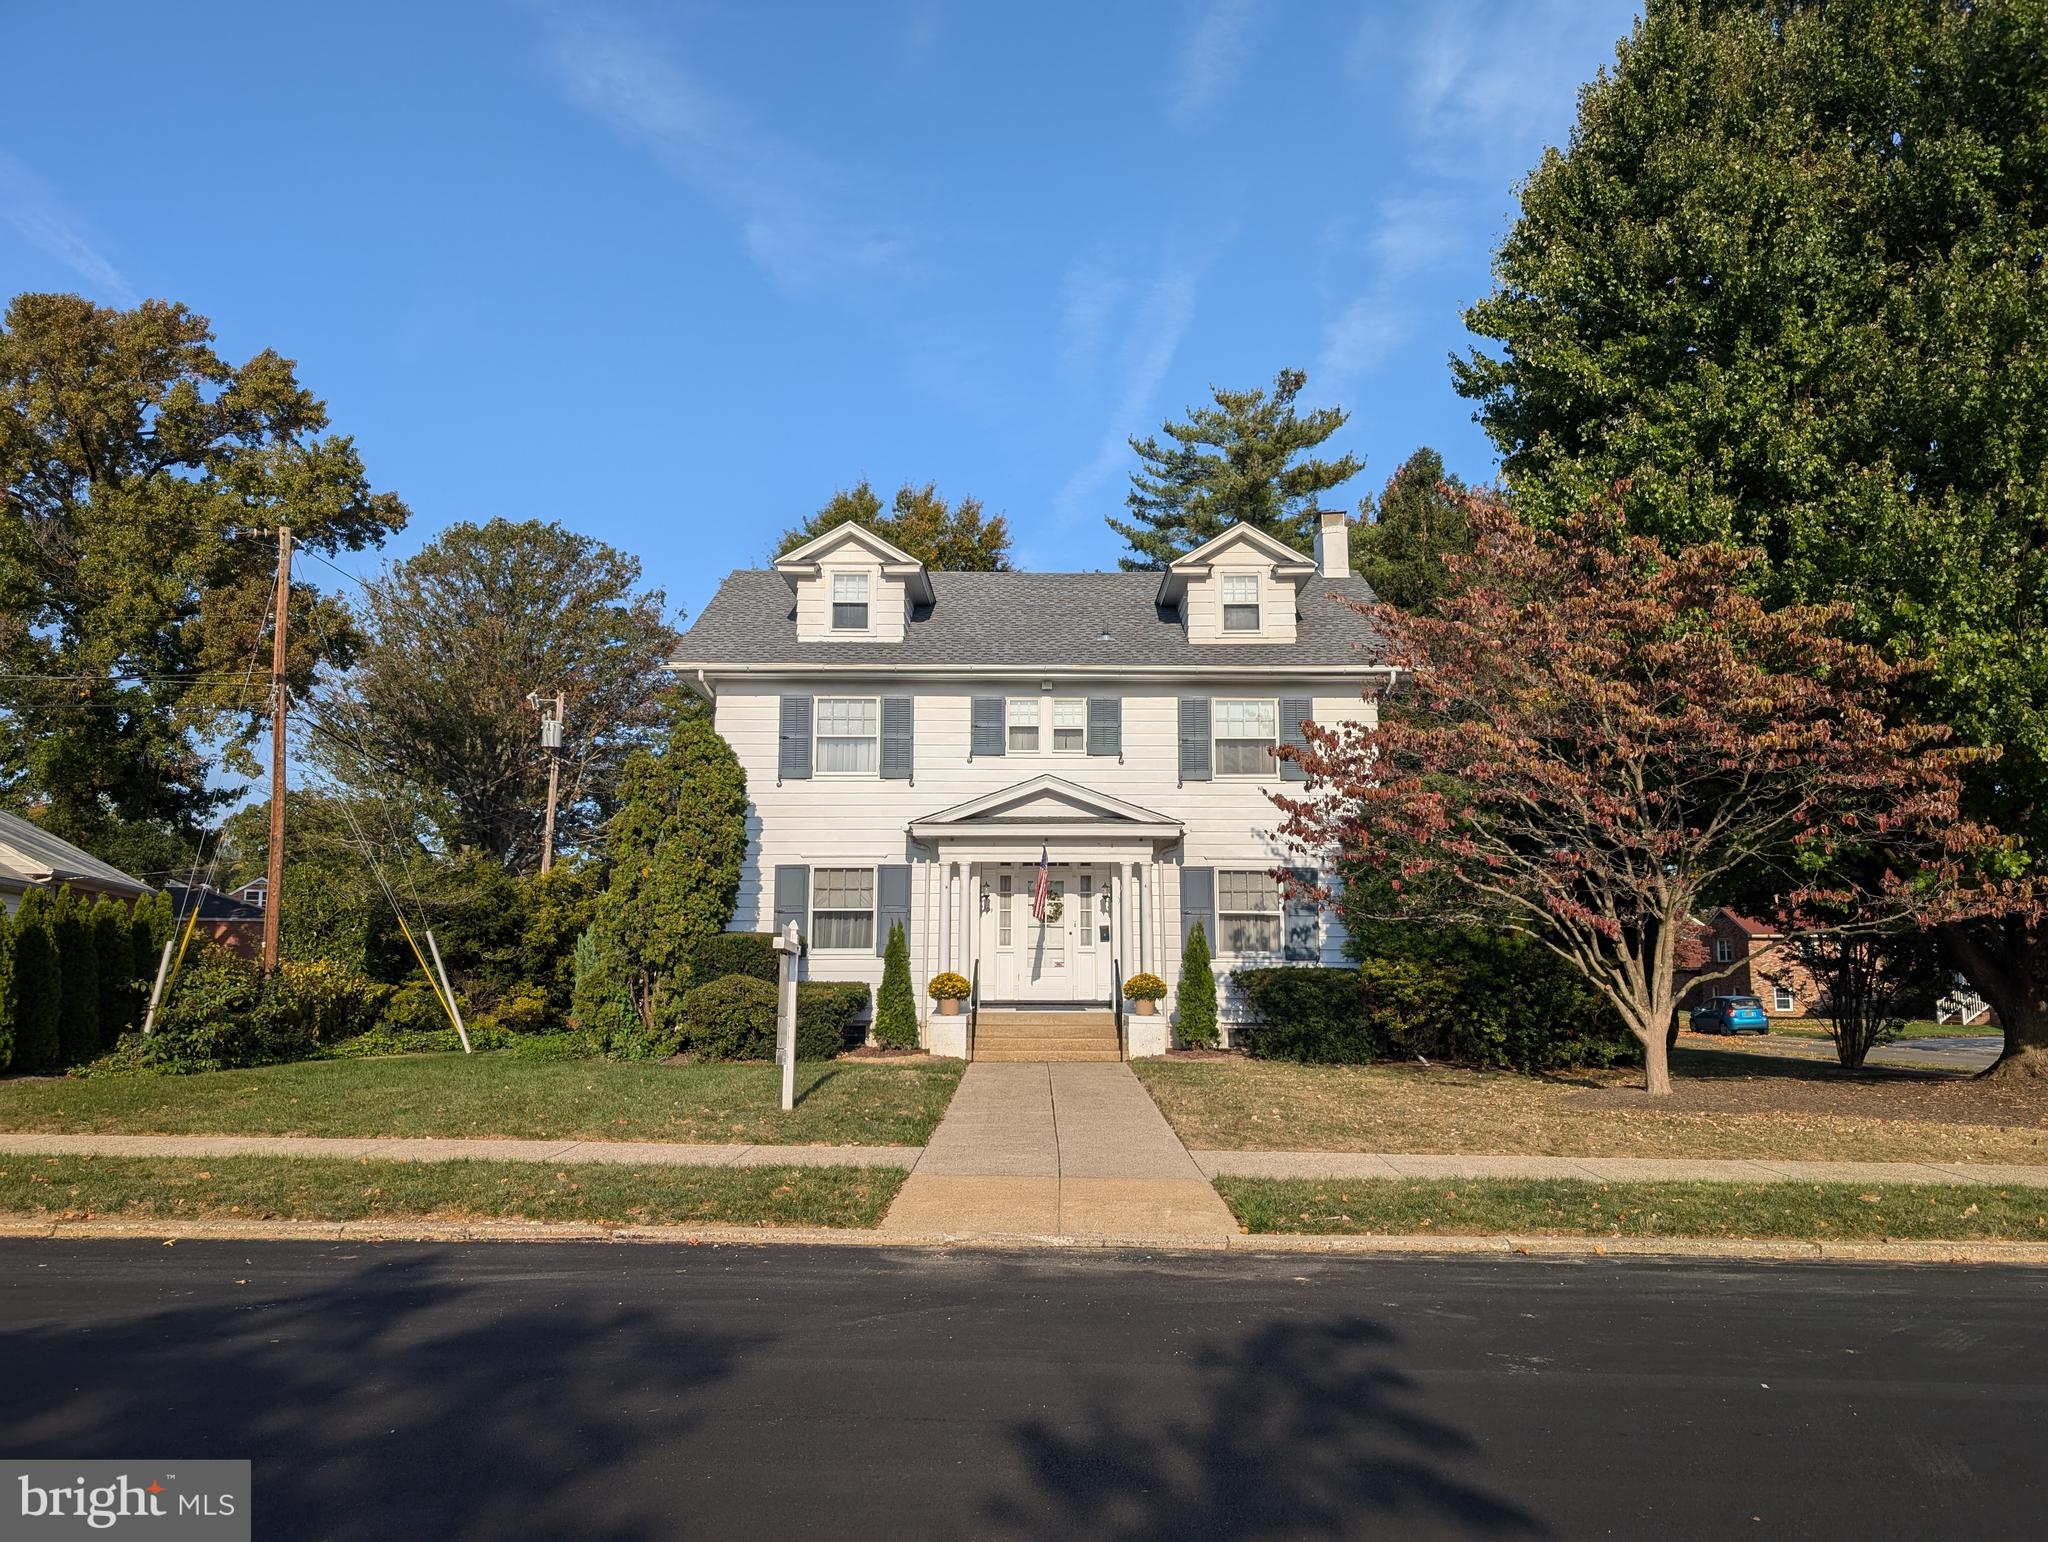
point(1066, 956)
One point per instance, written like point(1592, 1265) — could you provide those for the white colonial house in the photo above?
point(915, 742)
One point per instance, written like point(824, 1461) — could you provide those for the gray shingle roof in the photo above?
point(29, 854)
point(1029, 620)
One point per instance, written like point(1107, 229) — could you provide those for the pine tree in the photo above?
point(36, 987)
point(603, 1009)
point(8, 1006)
point(1233, 463)
point(78, 1006)
point(896, 1006)
point(1197, 992)
point(114, 958)
point(1418, 520)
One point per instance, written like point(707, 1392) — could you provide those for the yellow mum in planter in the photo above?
point(1144, 987)
point(949, 987)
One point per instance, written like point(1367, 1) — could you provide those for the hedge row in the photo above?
point(1516, 1012)
point(75, 974)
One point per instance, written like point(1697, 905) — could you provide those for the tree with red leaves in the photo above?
point(1594, 738)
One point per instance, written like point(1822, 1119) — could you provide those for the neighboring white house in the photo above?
point(31, 857)
point(914, 741)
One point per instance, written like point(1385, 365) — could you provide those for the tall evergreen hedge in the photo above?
point(37, 1049)
point(116, 962)
point(78, 998)
point(7, 1009)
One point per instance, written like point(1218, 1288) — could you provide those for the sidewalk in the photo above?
point(1080, 1128)
point(1056, 1151)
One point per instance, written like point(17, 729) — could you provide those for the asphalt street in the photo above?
point(619, 1391)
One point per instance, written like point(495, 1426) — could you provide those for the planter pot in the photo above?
point(949, 1006)
point(1145, 1008)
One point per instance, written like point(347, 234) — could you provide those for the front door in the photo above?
point(1065, 956)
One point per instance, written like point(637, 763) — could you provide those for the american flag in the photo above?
point(1043, 891)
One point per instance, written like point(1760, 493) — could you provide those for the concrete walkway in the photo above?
point(1362, 1165)
point(385, 1149)
point(1060, 1150)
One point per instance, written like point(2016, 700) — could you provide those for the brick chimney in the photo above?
point(1333, 543)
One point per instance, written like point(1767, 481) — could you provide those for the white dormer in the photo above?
point(853, 586)
point(1241, 587)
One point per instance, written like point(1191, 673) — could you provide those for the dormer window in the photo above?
point(1240, 602)
point(849, 602)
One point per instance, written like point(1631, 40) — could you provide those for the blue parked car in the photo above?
point(1731, 1014)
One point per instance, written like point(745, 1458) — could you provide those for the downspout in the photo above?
point(704, 685)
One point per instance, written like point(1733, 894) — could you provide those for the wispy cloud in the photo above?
point(1157, 325)
point(795, 212)
point(1488, 86)
point(1211, 54)
point(32, 209)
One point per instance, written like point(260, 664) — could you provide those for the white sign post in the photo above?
point(789, 946)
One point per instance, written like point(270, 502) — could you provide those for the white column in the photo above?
point(970, 919)
point(1156, 931)
point(945, 916)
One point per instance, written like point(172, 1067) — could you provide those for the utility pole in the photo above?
point(551, 741)
point(273, 891)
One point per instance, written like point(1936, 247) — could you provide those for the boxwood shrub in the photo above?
point(828, 1015)
point(732, 1018)
point(749, 953)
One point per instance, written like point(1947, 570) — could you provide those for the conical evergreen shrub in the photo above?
point(115, 959)
point(7, 1001)
point(36, 986)
point(1197, 1026)
point(78, 1002)
point(896, 1007)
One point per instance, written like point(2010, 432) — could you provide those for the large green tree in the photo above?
point(676, 845)
point(140, 474)
point(1404, 535)
point(1244, 460)
point(1787, 283)
point(455, 639)
point(953, 537)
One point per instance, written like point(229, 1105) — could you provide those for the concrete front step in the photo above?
point(1038, 1055)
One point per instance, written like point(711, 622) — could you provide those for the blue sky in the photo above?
point(671, 274)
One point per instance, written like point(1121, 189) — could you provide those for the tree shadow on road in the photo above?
point(1304, 1429)
point(389, 1402)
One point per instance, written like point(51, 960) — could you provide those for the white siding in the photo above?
point(1202, 610)
point(814, 600)
point(862, 821)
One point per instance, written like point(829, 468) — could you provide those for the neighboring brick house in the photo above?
point(1768, 966)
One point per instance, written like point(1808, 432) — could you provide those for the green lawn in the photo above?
point(318, 1189)
point(1831, 1212)
point(838, 1103)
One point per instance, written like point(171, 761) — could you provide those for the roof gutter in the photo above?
point(1024, 671)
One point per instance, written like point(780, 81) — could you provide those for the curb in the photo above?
point(2033, 1254)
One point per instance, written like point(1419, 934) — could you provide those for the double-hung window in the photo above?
point(849, 602)
point(1246, 733)
point(1023, 725)
point(1070, 726)
point(1781, 999)
point(1248, 912)
point(1724, 951)
point(1240, 602)
point(849, 735)
point(843, 908)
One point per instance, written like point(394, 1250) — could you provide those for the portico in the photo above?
point(974, 873)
